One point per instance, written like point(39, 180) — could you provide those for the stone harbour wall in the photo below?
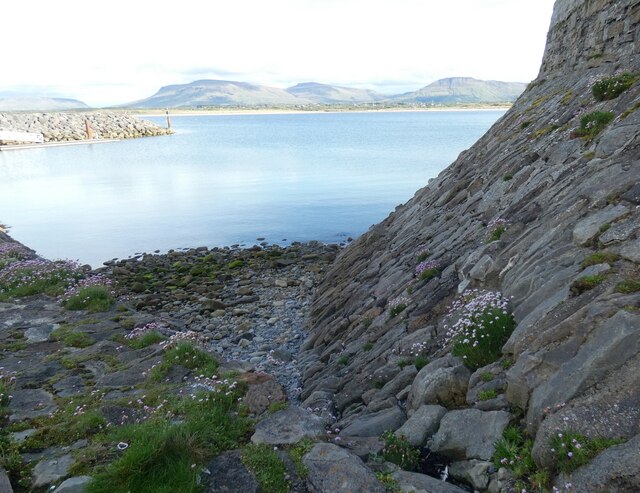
point(59, 127)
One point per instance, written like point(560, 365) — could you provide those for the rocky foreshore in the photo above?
point(71, 126)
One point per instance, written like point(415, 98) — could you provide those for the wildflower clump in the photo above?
point(7, 383)
point(427, 269)
point(495, 229)
point(11, 252)
point(572, 450)
point(399, 451)
point(593, 123)
point(397, 306)
point(93, 293)
point(483, 324)
point(141, 337)
point(611, 87)
point(36, 276)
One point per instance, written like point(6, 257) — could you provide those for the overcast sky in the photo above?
point(116, 51)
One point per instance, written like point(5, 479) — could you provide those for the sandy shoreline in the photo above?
point(231, 112)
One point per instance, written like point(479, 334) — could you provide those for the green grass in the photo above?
point(236, 264)
point(398, 309)
point(599, 258)
point(611, 87)
point(92, 298)
point(71, 338)
point(368, 346)
point(297, 452)
point(572, 450)
point(628, 286)
point(52, 283)
point(593, 123)
point(343, 360)
point(420, 362)
point(507, 177)
point(188, 356)
point(586, 283)
point(145, 340)
point(428, 274)
point(399, 451)
point(496, 234)
point(267, 466)
point(164, 456)
point(486, 395)
point(487, 376)
point(274, 407)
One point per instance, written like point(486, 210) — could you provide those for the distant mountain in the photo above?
point(456, 90)
point(328, 94)
point(217, 93)
point(27, 103)
point(232, 93)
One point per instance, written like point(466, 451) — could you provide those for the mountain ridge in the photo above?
point(211, 92)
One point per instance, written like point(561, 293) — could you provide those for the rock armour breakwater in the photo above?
point(64, 127)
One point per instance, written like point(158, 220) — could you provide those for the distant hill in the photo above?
point(232, 93)
point(217, 93)
point(456, 90)
point(328, 94)
point(26, 103)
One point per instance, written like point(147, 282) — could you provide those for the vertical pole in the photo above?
point(87, 125)
point(168, 120)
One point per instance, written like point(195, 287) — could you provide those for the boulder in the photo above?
point(51, 470)
point(77, 484)
point(469, 433)
point(375, 424)
point(30, 403)
point(261, 395)
point(288, 426)
point(334, 470)
point(413, 482)
point(5, 485)
point(422, 424)
point(473, 472)
point(443, 381)
point(229, 475)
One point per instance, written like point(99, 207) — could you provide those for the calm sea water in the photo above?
point(223, 180)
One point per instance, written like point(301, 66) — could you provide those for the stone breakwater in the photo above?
point(61, 127)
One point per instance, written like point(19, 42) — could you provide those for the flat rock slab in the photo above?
point(589, 227)
point(229, 475)
point(413, 482)
point(29, 403)
point(51, 470)
point(288, 426)
point(40, 333)
point(77, 484)
point(261, 395)
point(334, 470)
point(375, 424)
point(69, 386)
point(470, 433)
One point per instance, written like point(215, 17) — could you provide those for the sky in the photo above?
point(107, 53)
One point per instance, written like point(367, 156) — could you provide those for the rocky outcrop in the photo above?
point(569, 199)
point(59, 127)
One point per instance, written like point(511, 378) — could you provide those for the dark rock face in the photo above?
point(564, 198)
point(229, 475)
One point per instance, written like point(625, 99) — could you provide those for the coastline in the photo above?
point(271, 111)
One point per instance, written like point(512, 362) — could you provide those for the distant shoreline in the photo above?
point(270, 111)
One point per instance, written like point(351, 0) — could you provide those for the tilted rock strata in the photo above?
point(576, 356)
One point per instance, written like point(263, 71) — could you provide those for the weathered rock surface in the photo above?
point(564, 198)
point(77, 484)
point(422, 424)
point(375, 424)
point(334, 470)
point(288, 426)
point(227, 474)
point(469, 433)
point(412, 482)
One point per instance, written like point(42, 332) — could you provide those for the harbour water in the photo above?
point(222, 180)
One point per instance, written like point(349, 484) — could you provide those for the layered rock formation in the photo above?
point(58, 127)
point(565, 195)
